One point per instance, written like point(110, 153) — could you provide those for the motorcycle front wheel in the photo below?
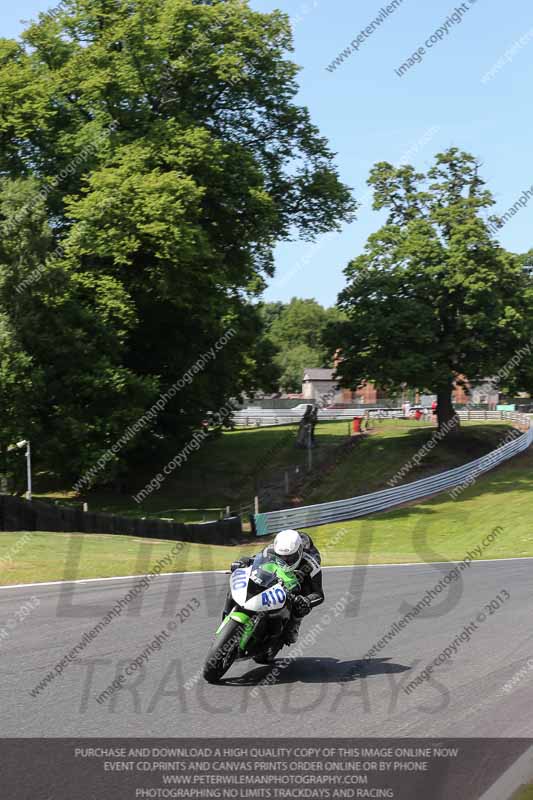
point(223, 652)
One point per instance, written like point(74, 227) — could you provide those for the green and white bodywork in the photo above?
point(258, 591)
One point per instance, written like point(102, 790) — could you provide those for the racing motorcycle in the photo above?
point(263, 595)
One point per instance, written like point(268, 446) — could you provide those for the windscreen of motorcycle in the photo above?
point(268, 569)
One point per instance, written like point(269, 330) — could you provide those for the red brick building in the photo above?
point(366, 393)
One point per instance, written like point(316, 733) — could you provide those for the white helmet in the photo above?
point(289, 546)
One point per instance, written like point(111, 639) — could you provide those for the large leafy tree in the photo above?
point(169, 157)
point(520, 377)
point(434, 299)
point(62, 380)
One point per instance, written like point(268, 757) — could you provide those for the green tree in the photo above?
point(434, 297)
point(520, 379)
point(170, 158)
point(527, 263)
point(296, 329)
point(62, 381)
point(292, 363)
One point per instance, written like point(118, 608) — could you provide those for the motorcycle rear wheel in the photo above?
point(223, 652)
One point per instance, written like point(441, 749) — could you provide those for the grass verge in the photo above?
point(230, 470)
point(435, 530)
point(524, 793)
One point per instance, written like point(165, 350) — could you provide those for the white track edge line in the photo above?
point(225, 571)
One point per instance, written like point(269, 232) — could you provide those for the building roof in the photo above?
point(315, 374)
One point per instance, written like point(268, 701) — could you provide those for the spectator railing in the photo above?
point(267, 416)
point(261, 417)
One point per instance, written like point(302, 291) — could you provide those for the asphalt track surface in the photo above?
point(328, 690)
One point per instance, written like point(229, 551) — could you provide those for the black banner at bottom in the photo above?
point(289, 769)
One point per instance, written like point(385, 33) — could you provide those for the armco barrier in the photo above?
point(21, 515)
point(338, 510)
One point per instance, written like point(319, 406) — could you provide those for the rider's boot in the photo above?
point(292, 630)
point(269, 655)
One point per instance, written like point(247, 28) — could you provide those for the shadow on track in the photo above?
point(315, 670)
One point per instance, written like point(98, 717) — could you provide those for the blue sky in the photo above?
point(370, 114)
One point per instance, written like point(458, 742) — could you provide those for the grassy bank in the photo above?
point(438, 529)
point(230, 470)
point(449, 527)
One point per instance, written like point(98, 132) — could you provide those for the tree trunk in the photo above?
point(448, 421)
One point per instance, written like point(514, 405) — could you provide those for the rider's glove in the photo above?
point(301, 606)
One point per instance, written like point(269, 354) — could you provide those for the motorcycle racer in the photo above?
point(300, 554)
